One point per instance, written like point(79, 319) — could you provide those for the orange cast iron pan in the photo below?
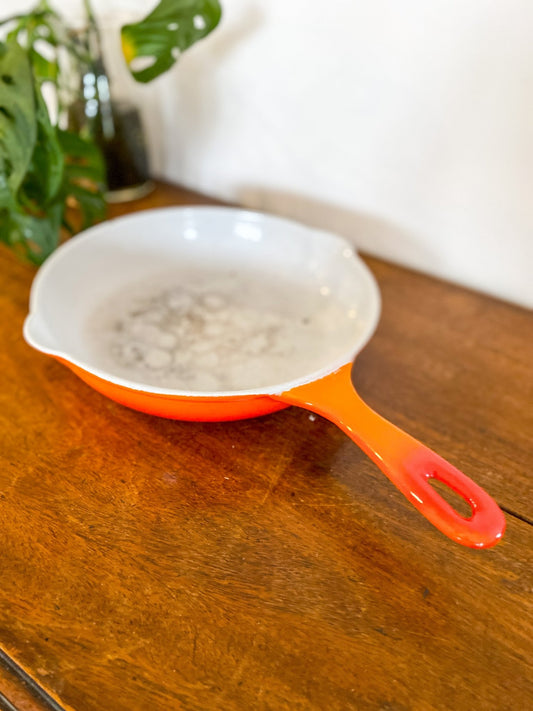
point(107, 258)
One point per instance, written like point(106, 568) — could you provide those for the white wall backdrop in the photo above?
point(407, 127)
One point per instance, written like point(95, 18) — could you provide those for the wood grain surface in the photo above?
point(149, 564)
point(15, 694)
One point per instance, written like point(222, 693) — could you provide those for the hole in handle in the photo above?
point(456, 501)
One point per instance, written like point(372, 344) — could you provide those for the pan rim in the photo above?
point(31, 322)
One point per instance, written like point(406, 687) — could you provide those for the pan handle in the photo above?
point(406, 462)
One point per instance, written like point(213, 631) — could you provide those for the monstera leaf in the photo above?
point(18, 120)
point(84, 169)
point(45, 171)
point(152, 46)
point(41, 167)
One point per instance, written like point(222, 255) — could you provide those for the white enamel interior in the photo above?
point(117, 253)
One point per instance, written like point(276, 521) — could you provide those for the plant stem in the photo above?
point(89, 11)
point(93, 25)
point(94, 37)
point(97, 61)
point(40, 10)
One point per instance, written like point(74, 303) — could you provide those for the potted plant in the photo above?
point(46, 165)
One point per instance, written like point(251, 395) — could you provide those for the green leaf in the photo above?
point(5, 223)
point(75, 172)
point(91, 203)
point(6, 197)
point(173, 27)
point(84, 159)
point(41, 167)
point(45, 172)
point(84, 177)
point(44, 69)
point(18, 122)
point(81, 150)
point(35, 237)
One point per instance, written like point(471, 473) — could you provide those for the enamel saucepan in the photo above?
point(324, 275)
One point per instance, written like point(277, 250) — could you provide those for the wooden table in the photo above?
point(149, 564)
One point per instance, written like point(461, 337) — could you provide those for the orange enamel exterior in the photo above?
point(175, 407)
point(409, 464)
point(405, 461)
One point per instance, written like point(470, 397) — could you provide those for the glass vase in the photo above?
point(90, 109)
